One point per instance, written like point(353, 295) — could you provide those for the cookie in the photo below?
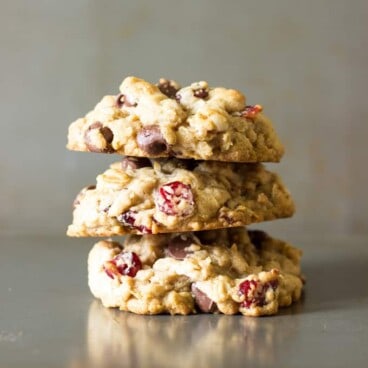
point(225, 271)
point(164, 120)
point(171, 195)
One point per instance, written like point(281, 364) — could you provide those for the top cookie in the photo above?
point(163, 120)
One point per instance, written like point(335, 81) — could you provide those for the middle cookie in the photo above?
point(142, 196)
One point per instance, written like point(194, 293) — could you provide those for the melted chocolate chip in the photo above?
point(151, 141)
point(201, 93)
point(257, 237)
point(167, 87)
point(177, 245)
point(135, 163)
point(203, 302)
point(106, 133)
point(122, 100)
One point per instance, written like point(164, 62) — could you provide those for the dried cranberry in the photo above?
point(251, 111)
point(129, 219)
point(255, 292)
point(128, 263)
point(175, 198)
point(201, 93)
point(122, 100)
point(125, 263)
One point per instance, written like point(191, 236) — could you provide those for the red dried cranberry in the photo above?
point(128, 263)
point(125, 263)
point(251, 111)
point(175, 198)
point(255, 292)
point(248, 289)
point(129, 219)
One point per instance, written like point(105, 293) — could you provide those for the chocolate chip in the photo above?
point(204, 303)
point(80, 195)
point(151, 141)
point(106, 134)
point(122, 100)
point(177, 245)
point(168, 87)
point(257, 237)
point(201, 93)
point(135, 163)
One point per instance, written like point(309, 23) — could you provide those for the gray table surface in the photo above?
point(49, 319)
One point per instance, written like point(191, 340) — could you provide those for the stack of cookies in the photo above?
point(191, 178)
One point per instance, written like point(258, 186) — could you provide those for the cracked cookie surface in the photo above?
point(164, 120)
point(145, 196)
point(219, 271)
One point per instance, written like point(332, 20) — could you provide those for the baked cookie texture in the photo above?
point(225, 271)
point(164, 120)
point(145, 196)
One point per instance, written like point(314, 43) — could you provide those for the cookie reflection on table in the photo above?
point(201, 340)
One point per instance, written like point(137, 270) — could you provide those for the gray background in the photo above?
point(305, 62)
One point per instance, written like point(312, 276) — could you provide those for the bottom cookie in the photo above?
point(226, 271)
